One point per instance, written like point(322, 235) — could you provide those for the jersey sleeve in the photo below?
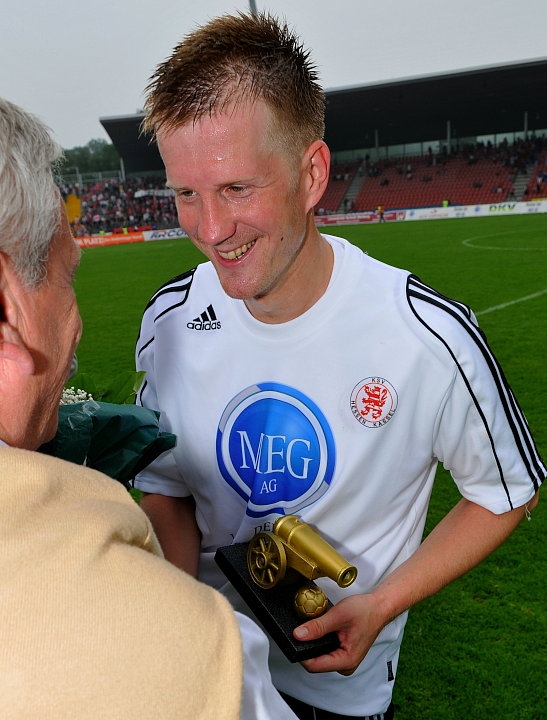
point(482, 436)
point(161, 476)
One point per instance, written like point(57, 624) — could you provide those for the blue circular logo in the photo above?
point(275, 448)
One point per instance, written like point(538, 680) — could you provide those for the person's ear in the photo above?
point(317, 171)
point(15, 356)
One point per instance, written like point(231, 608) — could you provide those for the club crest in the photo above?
point(373, 402)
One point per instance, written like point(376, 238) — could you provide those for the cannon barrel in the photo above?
point(310, 554)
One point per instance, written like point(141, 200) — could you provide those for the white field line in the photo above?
point(511, 302)
point(471, 242)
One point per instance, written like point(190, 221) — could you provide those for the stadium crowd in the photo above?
point(143, 203)
point(516, 156)
point(112, 205)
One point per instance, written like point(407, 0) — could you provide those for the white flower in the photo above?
point(71, 395)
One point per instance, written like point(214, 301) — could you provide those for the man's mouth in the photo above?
point(237, 253)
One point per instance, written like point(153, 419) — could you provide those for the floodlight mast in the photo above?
point(252, 7)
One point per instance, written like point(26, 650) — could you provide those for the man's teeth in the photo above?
point(237, 253)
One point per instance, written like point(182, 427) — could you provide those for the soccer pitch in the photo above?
point(476, 649)
point(498, 266)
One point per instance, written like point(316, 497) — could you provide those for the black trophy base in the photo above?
point(272, 607)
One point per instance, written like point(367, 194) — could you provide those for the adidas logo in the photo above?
point(206, 321)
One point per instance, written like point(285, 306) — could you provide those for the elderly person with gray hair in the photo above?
point(95, 623)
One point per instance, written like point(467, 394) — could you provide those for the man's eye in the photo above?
point(237, 188)
point(185, 193)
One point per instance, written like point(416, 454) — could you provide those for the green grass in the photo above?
point(113, 285)
point(478, 648)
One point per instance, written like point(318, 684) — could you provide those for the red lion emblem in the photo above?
point(373, 401)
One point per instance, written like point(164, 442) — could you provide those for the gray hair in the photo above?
point(29, 198)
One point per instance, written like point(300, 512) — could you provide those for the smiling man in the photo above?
point(249, 207)
point(303, 377)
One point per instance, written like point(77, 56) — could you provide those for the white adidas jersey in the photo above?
point(339, 416)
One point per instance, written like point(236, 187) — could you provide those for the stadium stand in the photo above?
point(415, 183)
point(537, 184)
point(112, 206)
point(478, 174)
point(341, 177)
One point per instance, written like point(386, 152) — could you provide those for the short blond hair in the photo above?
point(235, 58)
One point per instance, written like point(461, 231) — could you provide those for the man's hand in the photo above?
point(464, 537)
point(356, 620)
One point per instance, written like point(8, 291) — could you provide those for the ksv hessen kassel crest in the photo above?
point(373, 402)
point(275, 448)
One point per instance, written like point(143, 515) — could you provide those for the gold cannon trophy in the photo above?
point(274, 573)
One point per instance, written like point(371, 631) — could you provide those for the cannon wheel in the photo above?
point(266, 559)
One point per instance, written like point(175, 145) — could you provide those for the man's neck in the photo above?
point(305, 284)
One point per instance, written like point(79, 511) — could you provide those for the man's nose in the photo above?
point(216, 221)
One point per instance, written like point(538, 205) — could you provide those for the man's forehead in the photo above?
point(237, 109)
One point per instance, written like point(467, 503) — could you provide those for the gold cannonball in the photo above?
point(310, 602)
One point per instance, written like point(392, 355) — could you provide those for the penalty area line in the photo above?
point(511, 302)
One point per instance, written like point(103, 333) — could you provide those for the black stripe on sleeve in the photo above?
point(180, 284)
point(515, 417)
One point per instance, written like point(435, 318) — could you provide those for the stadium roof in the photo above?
point(139, 155)
point(483, 101)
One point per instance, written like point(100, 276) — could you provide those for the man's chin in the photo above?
point(236, 292)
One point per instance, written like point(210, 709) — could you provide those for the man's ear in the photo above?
point(15, 357)
point(318, 168)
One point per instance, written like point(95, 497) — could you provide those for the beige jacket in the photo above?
point(94, 625)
